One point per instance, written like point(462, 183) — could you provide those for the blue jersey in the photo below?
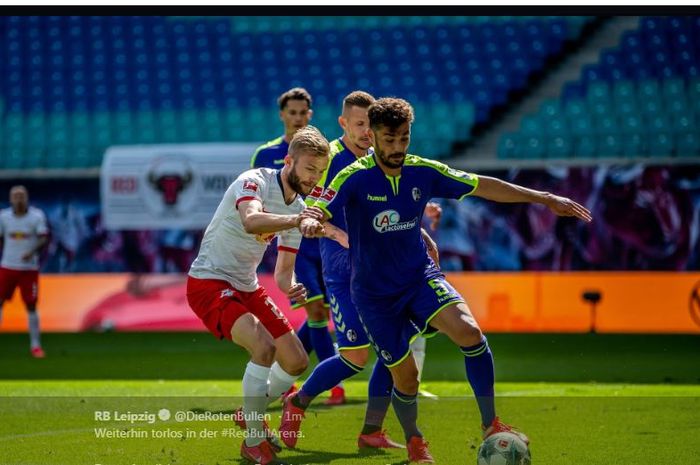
point(383, 215)
point(271, 154)
point(335, 257)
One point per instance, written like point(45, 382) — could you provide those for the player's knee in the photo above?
point(316, 311)
point(357, 357)
point(406, 380)
point(407, 385)
point(298, 364)
point(31, 308)
point(469, 335)
point(263, 353)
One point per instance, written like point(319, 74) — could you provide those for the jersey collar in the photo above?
point(279, 181)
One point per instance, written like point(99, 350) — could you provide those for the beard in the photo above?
point(393, 160)
point(295, 183)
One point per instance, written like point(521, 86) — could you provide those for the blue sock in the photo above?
point(406, 408)
point(321, 339)
point(305, 337)
point(378, 398)
point(326, 375)
point(478, 362)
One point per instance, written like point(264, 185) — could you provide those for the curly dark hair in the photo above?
point(390, 112)
point(297, 93)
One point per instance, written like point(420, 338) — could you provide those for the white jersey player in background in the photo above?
point(23, 232)
point(223, 288)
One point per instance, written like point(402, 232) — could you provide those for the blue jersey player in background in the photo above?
point(295, 113)
point(398, 291)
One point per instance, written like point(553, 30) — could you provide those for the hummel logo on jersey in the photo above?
point(250, 186)
point(376, 198)
point(226, 293)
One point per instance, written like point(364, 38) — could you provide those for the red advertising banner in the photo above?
point(638, 302)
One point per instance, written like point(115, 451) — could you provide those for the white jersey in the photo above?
point(20, 235)
point(227, 251)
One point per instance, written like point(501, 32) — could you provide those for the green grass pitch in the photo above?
point(582, 399)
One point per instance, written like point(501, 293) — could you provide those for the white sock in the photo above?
point(280, 382)
point(255, 402)
point(418, 348)
point(34, 335)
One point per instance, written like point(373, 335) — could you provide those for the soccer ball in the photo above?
point(503, 449)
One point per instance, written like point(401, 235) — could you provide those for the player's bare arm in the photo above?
point(256, 221)
point(41, 242)
point(501, 191)
point(316, 225)
point(433, 211)
point(431, 246)
point(284, 276)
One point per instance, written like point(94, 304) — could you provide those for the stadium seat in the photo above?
point(129, 70)
point(660, 144)
point(687, 144)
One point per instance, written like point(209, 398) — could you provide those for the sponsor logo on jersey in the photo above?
point(352, 335)
point(18, 235)
point(390, 221)
point(376, 198)
point(386, 356)
point(265, 238)
point(415, 192)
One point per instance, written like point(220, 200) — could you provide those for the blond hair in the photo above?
point(309, 140)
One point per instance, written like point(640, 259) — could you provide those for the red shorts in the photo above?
point(27, 280)
point(219, 305)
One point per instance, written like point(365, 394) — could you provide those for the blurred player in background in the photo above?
point(353, 345)
point(223, 288)
point(24, 233)
point(399, 292)
point(295, 113)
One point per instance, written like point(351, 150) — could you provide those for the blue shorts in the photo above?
point(393, 322)
point(308, 272)
point(349, 333)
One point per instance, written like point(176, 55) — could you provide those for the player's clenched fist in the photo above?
point(310, 227)
point(297, 293)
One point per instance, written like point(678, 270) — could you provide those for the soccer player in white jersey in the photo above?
point(223, 288)
point(23, 233)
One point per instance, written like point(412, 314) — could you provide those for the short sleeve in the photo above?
point(41, 226)
point(336, 195)
point(334, 168)
point(248, 186)
point(450, 183)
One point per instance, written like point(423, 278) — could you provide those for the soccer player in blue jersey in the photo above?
point(399, 292)
point(353, 345)
point(295, 113)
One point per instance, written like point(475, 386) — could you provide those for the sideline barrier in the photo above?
point(636, 302)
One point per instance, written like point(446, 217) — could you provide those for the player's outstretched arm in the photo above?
point(501, 191)
point(256, 221)
point(430, 246)
point(284, 276)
